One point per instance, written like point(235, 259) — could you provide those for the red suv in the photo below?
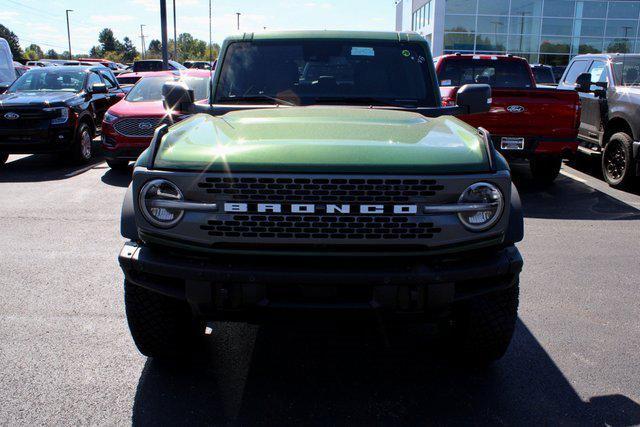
point(129, 125)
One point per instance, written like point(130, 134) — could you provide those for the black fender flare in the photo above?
point(128, 227)
point(515, 229)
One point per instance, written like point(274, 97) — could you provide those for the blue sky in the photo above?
point(43, 21)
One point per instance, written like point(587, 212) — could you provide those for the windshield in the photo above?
point(301, 72)
point(50, 79)
point(496, 73)
point(150, 88)
point(627, 70)
point(543, 75)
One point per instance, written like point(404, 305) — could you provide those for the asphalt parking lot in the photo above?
point(66, 357)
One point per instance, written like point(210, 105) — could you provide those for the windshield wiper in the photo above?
point(256, 98)
point(366, 100)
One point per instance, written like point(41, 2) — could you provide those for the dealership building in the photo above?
point(546, 31)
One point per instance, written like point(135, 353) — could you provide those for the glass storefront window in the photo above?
point(491, 42)
point(526, 7)
point(591, 9)
point(624, 9)
point(559, 8)
point(626, 29)
point(494, 7)
point(585, 45)
point(460, 23)
point(618, 45)
point(555, 45)
point(553, 59)
point(522, 25)
point(590, 27)
point(461, 6)
point(493, 24)
point(557, 26)
point(458, 42)
point(523, 43)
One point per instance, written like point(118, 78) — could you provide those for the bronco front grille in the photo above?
point(138, 127)
point(353, 227)
point(314, 190)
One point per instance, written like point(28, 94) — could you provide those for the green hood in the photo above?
point(323, 139)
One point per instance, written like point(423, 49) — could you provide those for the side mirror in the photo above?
point(583, 83)
point(98, 88)
point(474, 98)
point(177, 96)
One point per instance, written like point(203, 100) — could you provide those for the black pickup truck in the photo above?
point(56, 109)
point(609, 87)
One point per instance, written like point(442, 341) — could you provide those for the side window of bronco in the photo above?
point(577, 68)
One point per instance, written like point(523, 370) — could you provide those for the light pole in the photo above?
point(143, 51)
point(69, 31)
point(163, 25)
point(175, 34)
point(238, 14)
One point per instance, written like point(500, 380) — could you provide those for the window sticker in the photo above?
point(406, 53)
point(445, 83)
point(362, 51)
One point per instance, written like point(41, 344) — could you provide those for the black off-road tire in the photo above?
point(3, 158)
point(545, 169)
point(617, 161)
point(119, 165)
point(82, 153)
point(483, 326)
point(161, 327)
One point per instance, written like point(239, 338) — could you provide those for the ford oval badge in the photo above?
point(515, 109)
point(145, 125)
point(12, 116)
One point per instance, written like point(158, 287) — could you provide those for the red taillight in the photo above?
point(578, 114)
point(447, 101)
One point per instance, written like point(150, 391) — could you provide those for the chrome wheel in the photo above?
point(615, 161)
point(85, 145)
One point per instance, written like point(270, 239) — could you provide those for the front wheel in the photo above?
point(483, 326)
point(82, 150)
point(545, 169)
point(617, 165)
point(161, 327)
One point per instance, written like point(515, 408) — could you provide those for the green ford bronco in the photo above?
point(323, 177)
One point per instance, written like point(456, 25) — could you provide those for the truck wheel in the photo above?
point(545, 169)
point(82, 150)
point(3, 158)
point(483, 326)
point(161, 327)
point(120, 165)
point(617, 167)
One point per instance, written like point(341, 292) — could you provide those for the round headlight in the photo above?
point(156, 200)
point(490, 204)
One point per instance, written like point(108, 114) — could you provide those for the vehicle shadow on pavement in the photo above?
point(117, 178)
point(569, 199)
point(276, 375)
point(43, 167)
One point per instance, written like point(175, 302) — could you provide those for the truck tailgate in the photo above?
point(546, 114)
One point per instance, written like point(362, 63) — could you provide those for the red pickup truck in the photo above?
point(527, 123)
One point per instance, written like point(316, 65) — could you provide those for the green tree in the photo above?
point(14, 42)
point(52, 54)
point(129, 51)
point(37, 50)
point(96, 52)
point(155, 48)
point(31, 55)
point(108, 41)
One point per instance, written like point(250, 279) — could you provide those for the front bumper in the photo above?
point(31, 141)
point(241, 287)
point(119, 147)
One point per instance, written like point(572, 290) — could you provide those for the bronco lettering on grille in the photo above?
point(313, 208)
